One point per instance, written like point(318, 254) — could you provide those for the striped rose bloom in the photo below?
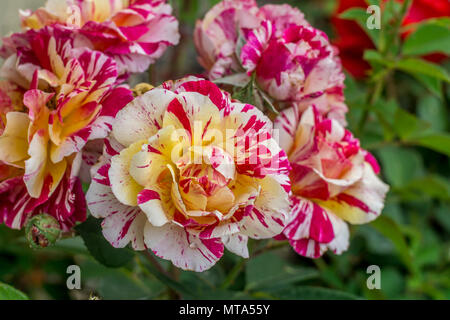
point(292, 62)
point(134, 32)
point(55, 99)
point(334, 182)
point(188, 172)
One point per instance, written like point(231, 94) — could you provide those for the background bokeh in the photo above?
point(411, 245)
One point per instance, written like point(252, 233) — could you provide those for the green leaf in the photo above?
point(315, 293)
point(354, 14)
point(392, 282)
point(434, 85)
point(439, 142)
point(389, 228)
point(407, 124)
point(99, 247)
point(268, 102)
point(119, 283)
point(432, 185)
point(220, 294)
point(419, 66)
point(443, 217)
point(428, 38)
point(375, 56)
point(9, 293)
point(400, 165)
point(237, 80)
point(432, 110)
point(175, 285)
point(270, 271)
point(239, 44)
point(246, 94)
point(385, 111)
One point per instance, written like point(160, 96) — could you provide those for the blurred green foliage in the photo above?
point(400, 113)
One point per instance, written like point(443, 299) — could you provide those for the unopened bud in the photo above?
point(42, 231)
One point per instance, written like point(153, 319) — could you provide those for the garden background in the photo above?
point(400, 112)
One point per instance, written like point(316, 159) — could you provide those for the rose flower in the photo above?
point(54, 99)
point(134, 32)
point(334, 182)
point(291, 62)
point(188, 172)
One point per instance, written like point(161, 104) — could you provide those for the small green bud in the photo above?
point(42, 231)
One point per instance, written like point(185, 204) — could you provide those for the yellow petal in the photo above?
point(222, 200)
point(124, 187)
point(14, 141)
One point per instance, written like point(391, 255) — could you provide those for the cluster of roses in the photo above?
point(186, 170)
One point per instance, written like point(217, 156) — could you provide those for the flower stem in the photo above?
point(273, 245)
point(234, 273)
point(155, 263)
point(372, 98)
point(173, 294)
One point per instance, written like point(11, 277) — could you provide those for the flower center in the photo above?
point(204, 180)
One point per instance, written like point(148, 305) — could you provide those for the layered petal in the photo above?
point(362, 202)
point(185, 250)
point(174, 175)
point(292, 62)
point(134, 33)
point(312, 230)
point(57, 98)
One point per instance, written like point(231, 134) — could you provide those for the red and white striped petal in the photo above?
point(308, 248)
point(237, 244)
point(100, 198)
point(15, 203)
point(257, 41)
point(135, 33)
point(122, 223)
point(283, 16)
point(204, 87)
point(285, 128)
point(363, 201)
point(124, 227)
point(215, 36)
point(312, 229)
point(188, 184)
point(124, 187)
point(185, 250)
point(308, 220)
point(269, 214)
point(256, 153)
point(156, 205)
point(195, 113)
point(145, 113)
